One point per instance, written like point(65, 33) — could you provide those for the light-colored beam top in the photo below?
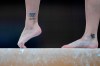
point(50, 57)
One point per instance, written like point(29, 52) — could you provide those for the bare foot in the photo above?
point(86, 42)
point(28, 33)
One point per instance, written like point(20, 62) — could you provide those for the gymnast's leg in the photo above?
point(89, 39)
point(32, 28)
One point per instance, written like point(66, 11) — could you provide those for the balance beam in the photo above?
point(50, 57)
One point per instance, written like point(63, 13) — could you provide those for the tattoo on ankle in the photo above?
point(92, 36)
point(32, 16)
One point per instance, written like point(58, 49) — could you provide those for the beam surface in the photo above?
point(50, 57)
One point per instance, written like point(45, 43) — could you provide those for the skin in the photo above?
point(32, 28)
point(88, 40)
point(92, 21)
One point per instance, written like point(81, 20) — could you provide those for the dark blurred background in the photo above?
point(62, 22)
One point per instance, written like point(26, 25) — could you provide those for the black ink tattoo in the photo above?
point(32, 16)
point(92, 36)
